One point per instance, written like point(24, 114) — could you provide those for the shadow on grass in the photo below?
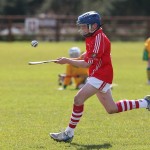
point(90, 147)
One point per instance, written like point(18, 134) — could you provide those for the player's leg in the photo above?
point(107, 101)
point(77, 112)
point(78, 107)
point(122, 105)
point(125, 105)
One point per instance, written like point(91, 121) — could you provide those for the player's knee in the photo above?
point(112, 110)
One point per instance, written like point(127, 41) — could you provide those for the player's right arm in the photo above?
point(77, 63)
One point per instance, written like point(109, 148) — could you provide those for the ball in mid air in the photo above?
point(34, 43)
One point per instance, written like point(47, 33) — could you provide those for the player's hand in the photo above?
point(62, 60)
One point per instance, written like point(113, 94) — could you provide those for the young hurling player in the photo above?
point(98, 59)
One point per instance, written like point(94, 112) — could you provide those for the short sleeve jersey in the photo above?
point(98, 54)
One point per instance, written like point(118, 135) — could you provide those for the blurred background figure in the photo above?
point(73, 75)
point(146, 57)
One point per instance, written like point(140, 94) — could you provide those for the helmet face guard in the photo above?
point(88, 19)
point(83, 29)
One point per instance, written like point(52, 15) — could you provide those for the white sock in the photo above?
point(70, 131)
point(142, 103)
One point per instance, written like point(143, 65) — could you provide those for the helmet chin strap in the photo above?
point(90, 28)
point(90, 31)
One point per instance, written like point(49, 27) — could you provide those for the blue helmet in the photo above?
point(89, 18)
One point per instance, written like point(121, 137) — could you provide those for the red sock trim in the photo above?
point(74, 120)
point(78, 109)
point(137, 104)
point(119, 106)
point(72, 126)
point(130, 103)
point(125, 105)
point(76, 116)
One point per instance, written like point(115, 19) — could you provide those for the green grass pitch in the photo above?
point(31, 105)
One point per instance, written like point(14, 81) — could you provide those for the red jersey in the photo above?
point(98, 54)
